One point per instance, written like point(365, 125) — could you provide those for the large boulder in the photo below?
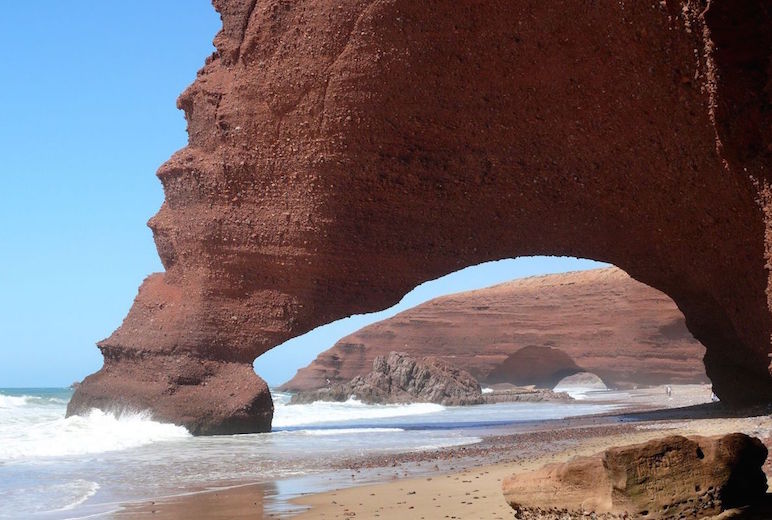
point(400, 378)
point(668, 478)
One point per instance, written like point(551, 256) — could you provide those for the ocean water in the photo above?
point(54, 468)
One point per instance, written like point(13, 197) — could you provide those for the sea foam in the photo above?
point(347, 431)
point(13, 401)
point(322, 412)
point(42, 431)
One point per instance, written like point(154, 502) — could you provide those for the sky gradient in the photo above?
point(88, 106)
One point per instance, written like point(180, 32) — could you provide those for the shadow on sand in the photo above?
point(698, 411)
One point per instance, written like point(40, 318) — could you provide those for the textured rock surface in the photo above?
point(341, 152)
point(400, 378)
point(533, 331)
point(542, 366)
point(524, 395)
point(673, 477)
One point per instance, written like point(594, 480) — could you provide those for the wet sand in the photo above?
point(237, 503)
point(476, 492)
point(464, 482)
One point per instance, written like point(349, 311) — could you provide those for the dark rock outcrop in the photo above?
point(342, 152)
point(523, 395)
point(669, 478)
point(532, 331)
point(400, 378)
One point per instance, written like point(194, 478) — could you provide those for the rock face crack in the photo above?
point(453, 134)
point(244, 28)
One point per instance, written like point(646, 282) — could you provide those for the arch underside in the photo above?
point(341, 153)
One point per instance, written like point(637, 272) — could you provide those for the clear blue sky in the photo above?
point(87, 103)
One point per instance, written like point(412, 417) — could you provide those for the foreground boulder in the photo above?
point(672, 477)
point(400, 378)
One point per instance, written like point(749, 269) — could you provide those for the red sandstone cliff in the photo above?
point(532, 331)
point(342, 152)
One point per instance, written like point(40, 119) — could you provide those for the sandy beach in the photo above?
point(465, 482)
point(234, 503)
point(476, 492)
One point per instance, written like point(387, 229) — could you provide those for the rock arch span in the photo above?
point(342, 152)
point(531, 330)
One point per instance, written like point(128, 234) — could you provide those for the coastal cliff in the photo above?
point(342, 152)
point(532, 331)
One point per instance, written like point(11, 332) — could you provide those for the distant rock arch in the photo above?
point(581, 382)
point(542, 367)
point(342, 152)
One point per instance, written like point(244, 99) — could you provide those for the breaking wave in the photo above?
point(32, 426)
point(322, 412)
point(13, 401)
point(347, 431)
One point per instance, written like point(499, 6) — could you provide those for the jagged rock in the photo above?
point(342, 152)
point(400, 378)
point(669, 478)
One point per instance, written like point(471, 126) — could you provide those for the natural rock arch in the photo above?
point(342, 152)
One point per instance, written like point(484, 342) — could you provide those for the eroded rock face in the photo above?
point(532, 331)
point(540, 366)
point(341, 152)
point(400, 378)
point(673, 477)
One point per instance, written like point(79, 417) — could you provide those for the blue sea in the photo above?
point(89, 466)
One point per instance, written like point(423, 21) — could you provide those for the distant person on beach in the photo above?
point(669, 391)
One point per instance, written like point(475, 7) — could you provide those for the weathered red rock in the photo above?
point(342, 152)
point(669, 478)
point(532, 331)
